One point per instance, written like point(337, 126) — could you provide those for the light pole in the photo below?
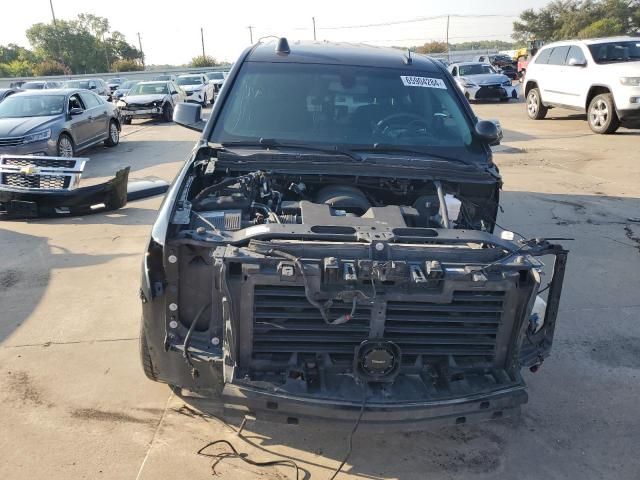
point(141, 51)
point(313, 19)
point(250, 34)
point(202, 38)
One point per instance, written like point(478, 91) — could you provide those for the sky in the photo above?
point(170, 30)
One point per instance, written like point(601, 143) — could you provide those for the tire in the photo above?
point(145, 356)
point(204, 100)
point(601, 115)
point(114, 135)
point(126, 120)
point(65, 146)
point(535, 109)
point(167, 112)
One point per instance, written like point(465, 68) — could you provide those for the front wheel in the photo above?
point(535, 109)
point(114, 135)
point(204, 100)
point(602, 114)
point(65, 146)
point(167, 112)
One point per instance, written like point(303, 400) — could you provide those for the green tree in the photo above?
point(125, 65)
point(203, 61)
point(51, 67)
point(431, 47)
point(86, 45)
point(19, 68)
point(563, 19)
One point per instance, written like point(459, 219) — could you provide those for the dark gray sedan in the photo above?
point(58, 122)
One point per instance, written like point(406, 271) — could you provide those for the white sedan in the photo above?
point(479, 81)
point(197, 87)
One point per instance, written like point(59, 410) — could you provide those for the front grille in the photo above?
point(39, 162)
point(136, 106)
point(491, 91)
point(49, 182)
point(11, 141)
point(286, 323)
point(468, 326)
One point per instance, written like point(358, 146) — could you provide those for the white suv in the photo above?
point(600, 77)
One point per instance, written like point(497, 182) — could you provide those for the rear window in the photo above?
point(543, 57)
point(558, 55)
point(333, 105)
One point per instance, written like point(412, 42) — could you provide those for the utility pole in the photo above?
point(313, 19)
point(53, 13)
point(448, 51)
point(202, 38)
point(250, 27)
point(141, 51)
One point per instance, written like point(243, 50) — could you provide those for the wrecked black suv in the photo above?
point(328, 248)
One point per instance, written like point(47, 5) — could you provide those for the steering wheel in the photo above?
point(383, 125)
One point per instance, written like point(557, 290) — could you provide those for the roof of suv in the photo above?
point(592, 41)
point(341, 54)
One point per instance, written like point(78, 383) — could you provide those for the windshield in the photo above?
point(616, 52)
point(216, 76)
point(32, 106)
point(335, 105)
point(477, 69)
point(32, 86)
point(77, 84)
point(189, 81)
point(149, 89)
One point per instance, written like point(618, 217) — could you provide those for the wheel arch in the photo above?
point(529, 85)
point(595, 90)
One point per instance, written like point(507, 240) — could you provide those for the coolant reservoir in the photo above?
point(453, 207)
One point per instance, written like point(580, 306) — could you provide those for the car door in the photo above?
point(576, 82)
point(98, 116)
point(78, 124)
point(553, 86)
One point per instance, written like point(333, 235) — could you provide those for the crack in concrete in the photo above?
point(629, 233)
point(71, 342)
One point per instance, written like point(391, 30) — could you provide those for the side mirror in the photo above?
point(92, 87)
point(490, 131)
point(189, 115)
point(174, 92)
point(76, 111)
point(574, 62)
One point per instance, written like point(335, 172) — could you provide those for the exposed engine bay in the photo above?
point(285, 288)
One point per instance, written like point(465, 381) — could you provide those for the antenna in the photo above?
point(282, 47)
point(408, 60)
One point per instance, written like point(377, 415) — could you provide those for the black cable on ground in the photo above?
point(353, 431)
point(244, 458)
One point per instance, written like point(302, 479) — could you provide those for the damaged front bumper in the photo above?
point(39, 186)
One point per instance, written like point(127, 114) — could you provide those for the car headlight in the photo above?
point(467, 83)
point(37, 136)
point(630, 81)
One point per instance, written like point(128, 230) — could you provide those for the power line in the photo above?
point(414, 20)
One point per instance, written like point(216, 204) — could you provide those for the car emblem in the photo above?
point(29, 170)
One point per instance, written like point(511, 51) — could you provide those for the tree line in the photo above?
point(80, 46)
point(83, 45)
point(565, 19)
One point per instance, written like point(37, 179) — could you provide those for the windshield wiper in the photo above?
point(385, 148)
point(272, 143)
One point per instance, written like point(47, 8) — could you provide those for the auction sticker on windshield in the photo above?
point(423, 82)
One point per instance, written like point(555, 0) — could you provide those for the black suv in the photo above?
point(328, 247)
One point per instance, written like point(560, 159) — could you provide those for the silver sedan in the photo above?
point(58, 122)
